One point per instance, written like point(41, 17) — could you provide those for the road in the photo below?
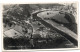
point(60, 29)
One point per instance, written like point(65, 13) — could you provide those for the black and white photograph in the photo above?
point(40, 26)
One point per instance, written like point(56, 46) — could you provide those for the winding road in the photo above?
point(70, 35)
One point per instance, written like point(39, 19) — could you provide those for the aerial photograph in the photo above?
point(40, 26)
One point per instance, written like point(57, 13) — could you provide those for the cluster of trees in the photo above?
point(70, 8)
point(16, 11)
